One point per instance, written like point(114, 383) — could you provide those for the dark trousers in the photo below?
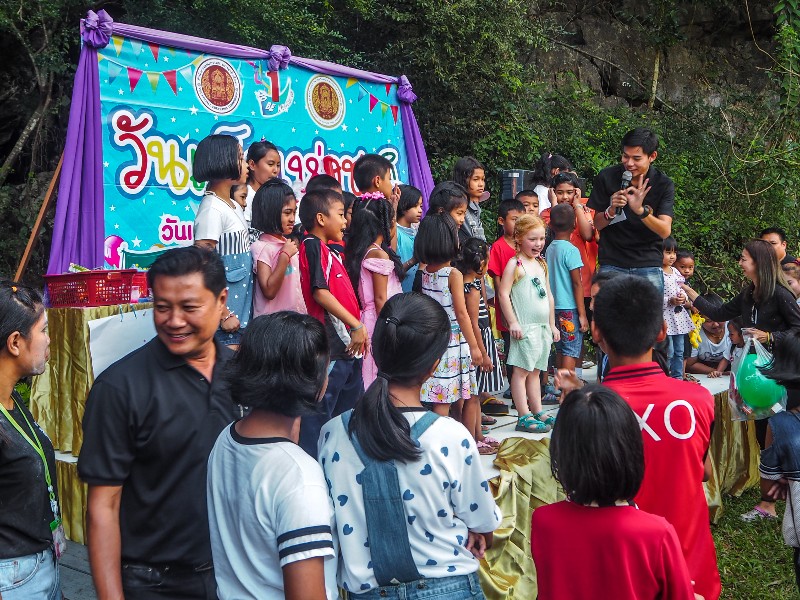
point(151, 582)
point(345, 388)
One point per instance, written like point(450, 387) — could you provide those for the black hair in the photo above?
point(596, 449)
point(281, 364)
point(371, 218)
point(682, 253)
point(785, 365)
point(20, 308)
point(473, 252)
point(268, 205)
point(313, 203)
point(297, 233)
point(409, 198)
point(446, 196)
point(186, 261)
point(737, 322)
point(565, 177)
point(776, 230)
point(323, 181)
point(464, 168)
point(216, 158)
point(256, 151)
point(525, 194)
point(669, 244)
point(562, 218)
point(642, 137)
point(601, 277)
point(627, 311)
point(712, 299)
point(437, 239)
point(236, 187)
point(349, 200)
point(367, 168)
point(406, 321)
point(506, 206)
point(543, 168)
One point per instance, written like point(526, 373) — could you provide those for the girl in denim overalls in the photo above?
point(414, 510)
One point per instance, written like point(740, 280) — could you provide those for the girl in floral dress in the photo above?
point(454, 379)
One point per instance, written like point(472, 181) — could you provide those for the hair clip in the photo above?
point(394, 320)
point(13, 289)
point(263, 139)
point(383, 375)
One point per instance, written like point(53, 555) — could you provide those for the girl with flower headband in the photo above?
point(375, 269)
point(430, 514)
point(527, 304)
point(454, 380)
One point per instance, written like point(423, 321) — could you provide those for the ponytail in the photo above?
point(406, 321)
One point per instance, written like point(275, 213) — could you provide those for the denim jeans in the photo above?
point(459, 587)
point(31, 576)
point(675, 355)
point(654, 275)
point(345, 388)
point(151, 582)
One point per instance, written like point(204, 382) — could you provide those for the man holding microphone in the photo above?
point(633, 229)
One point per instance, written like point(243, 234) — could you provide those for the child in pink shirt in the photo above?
point(275, 260)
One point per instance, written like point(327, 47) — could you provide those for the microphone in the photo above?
point(627, 176)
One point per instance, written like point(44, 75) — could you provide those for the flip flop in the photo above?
point(485, 449)
point(487, 420)
point(493, 406)
point(491, 441)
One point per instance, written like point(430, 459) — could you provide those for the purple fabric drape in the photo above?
point(79, 228)
point(79, 225)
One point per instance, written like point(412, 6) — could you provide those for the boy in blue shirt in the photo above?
point(564, 265)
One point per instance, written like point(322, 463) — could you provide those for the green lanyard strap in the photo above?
point(36, 444)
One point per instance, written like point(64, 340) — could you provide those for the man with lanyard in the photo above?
point(632, 230)
point(151, 421)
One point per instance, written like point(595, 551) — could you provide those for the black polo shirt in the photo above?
point(151, 421)
point(628, 243)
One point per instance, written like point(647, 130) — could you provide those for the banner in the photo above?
point(157, 102)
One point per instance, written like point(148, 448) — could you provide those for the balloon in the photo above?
point(111, 250)
point(756, 390)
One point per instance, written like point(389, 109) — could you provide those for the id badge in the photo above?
point(59, 537)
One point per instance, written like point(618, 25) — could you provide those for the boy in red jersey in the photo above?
point(676, 418)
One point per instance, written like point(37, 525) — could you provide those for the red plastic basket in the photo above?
point(91, 288)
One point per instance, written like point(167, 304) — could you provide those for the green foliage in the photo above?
point(787, 20)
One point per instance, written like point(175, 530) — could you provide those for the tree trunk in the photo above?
point(655, 81)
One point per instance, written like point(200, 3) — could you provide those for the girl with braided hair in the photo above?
point(374, 267)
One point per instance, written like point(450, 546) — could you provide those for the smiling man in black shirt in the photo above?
point(635, 221)
point(150, 423)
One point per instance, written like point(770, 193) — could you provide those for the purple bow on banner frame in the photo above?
point(405, 93)
point(278, 57)
point(96, 28)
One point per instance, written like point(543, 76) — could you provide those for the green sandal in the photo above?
point(549, 420)
point(530, 424)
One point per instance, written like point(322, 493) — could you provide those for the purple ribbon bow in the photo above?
point(96, 28)
point(405, 93)
point(278, 57)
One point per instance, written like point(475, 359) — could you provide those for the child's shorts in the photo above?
point(571, 342)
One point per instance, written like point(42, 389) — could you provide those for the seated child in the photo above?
point(731, 360)
point(714, 344)
point(264, 492)
point(597, 455)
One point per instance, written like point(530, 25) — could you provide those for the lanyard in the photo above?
point(37, 446)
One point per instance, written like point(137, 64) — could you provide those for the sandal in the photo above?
point(550, 399)
point(529, 424)
point(484, 448)
point(693, 379)
point(488, 420)
point(493, 406)
point(756, 514)
point(491, 441)
point(484, 430)
point(548, 420)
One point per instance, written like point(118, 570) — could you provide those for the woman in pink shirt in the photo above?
point(275, 259)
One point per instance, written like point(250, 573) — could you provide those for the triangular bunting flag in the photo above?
point(361, 93)
point(394, 114)
point(351, 82)
point(171, 77)
point(197, 60)
point(100, 58)
point(153, 78)
point(372, 102)
point(388, 88)
point(117, 41)
point(186, 73)
point(134, 75)
point(154, 50)
point(384, 109)
point(137, 47)
point(113, 70)
point(171, 51)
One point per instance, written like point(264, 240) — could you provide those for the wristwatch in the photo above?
point(646, 212)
